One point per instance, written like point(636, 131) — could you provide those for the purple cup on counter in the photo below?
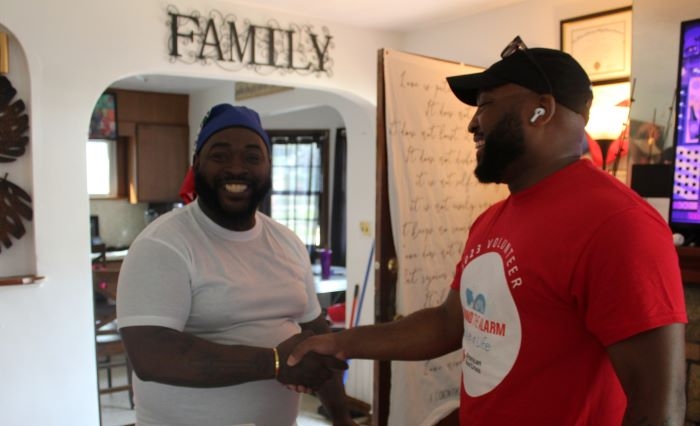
point(325, 255)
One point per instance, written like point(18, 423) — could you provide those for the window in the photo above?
point(299, 177)
point(102, 168)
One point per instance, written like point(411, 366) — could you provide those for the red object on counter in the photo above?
point(336, 312)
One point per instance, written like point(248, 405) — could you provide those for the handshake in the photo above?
point(309, 369)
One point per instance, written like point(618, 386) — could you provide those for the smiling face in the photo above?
point(232, 176)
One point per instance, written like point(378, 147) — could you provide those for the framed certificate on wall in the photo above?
point(601, 43)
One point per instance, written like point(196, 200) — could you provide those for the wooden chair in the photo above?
point(108, 345)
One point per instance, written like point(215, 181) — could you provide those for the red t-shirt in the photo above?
point(549, 277)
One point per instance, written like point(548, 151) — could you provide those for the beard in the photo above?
point(208, 195)
point(503, 145)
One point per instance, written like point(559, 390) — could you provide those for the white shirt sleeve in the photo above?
point(154, 287)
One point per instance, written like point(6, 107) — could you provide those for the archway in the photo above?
point(356, 115)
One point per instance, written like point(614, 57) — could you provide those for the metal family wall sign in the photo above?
point(236, 44)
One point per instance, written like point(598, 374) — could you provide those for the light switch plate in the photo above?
point(365, 228)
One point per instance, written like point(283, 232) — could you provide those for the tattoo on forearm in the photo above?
point(209, 365)
point(212, 368)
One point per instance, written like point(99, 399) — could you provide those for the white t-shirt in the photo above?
point(251, 288)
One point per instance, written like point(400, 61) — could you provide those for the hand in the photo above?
point(311, 371)
point(324, 344)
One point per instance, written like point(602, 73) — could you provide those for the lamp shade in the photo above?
point(605, 154)
point(607, 121)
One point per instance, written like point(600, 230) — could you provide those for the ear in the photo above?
point(586, 113)
point(543, 111)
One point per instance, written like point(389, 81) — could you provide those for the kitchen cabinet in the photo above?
point(154, 127)
point(159, 160)
point(151, 107)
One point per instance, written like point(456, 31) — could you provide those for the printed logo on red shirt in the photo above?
point(492, 329)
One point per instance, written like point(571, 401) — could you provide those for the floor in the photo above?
point(115, 409)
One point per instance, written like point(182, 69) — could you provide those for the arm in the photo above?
point(651, 369)
point(331, 393)
point(173, 357)
point(424, 334)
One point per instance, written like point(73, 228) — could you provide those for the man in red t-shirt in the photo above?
point(567, 302)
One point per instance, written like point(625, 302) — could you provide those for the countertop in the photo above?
point(110, 255)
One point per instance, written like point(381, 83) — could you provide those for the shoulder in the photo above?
point(271, 225)
point(170, 221)
point(600, 195)
point(281, 233)
point(490, 212)
point(615, 217)
point(175, 229)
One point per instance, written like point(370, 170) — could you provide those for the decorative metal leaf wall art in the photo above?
point(13, 123)
point(15, 203)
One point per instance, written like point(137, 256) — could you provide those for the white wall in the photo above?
point(478, 39)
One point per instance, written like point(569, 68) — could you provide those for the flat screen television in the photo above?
point(684, 214)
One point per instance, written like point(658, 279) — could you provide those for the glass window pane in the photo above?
point(296, 183)
point(101, 168)
point(298, 212)
point(283, 178)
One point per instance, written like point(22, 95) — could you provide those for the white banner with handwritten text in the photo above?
point(434, 197)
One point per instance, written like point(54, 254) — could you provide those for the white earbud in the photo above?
point(678, 239)
point(539, 112)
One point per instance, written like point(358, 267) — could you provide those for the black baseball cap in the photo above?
point(544, 71)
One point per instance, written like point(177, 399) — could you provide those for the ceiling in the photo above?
point(388, 15)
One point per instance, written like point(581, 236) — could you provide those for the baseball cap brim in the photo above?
point(466, 87)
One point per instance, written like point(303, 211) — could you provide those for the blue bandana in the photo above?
point(223, 116)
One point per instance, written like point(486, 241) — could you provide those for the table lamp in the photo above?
point(606, 132)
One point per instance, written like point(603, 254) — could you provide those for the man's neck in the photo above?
point(232, 222)
point(541, 172)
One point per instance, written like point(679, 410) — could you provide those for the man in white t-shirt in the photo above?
point(212, 297)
